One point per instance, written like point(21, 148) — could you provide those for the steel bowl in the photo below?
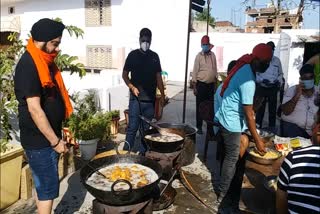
point(265, 134)
point(262, 160)
point(270, 183)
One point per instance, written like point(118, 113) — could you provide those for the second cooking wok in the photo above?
point(164, 147)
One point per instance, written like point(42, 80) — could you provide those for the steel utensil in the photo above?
point(162, 131)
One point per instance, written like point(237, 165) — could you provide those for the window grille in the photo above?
point(98, 13)
point(99, 56)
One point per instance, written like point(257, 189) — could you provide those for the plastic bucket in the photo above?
point(88, 148)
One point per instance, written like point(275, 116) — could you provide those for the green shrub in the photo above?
point(86, 122)
point(115, 114)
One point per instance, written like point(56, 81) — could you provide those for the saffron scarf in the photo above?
point(42, 61)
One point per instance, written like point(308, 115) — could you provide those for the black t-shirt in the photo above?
point(27, 84)
point(144, 67)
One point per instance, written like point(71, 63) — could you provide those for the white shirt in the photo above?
point(274, 72)
point(305, 111)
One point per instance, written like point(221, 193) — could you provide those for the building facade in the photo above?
point(111, 28)
point(270, 20)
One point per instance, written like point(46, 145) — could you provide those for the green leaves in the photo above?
point(73, 30)
point(203, 17)
point(87, 123)
point(115, 114)
point(66, 62)
point(8, 102)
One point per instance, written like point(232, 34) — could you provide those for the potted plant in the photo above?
point(88, 125)
point(115, 118)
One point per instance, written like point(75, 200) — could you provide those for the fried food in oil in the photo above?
point(118, 173)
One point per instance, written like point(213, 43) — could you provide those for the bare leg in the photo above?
point(44, 207)
point(244, 143)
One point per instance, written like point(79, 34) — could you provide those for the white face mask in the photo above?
point(145, 46)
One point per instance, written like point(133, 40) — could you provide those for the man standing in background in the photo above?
point(268, 85)
point(204, 76)
point(144, 67)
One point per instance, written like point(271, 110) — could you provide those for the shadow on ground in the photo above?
point(74, 196)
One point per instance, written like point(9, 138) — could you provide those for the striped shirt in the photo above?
point(300, 178)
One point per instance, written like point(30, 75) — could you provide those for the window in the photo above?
point(269, 20)
point(98, 13)
point(99, 56)
point(11, 10)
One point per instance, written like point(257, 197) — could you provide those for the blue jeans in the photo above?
point(232, 169)
point(44, 167)
point(147, 110)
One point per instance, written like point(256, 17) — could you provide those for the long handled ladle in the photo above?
point(162, 131)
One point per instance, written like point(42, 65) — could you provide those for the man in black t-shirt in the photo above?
point(145, 71)
point(43, 105)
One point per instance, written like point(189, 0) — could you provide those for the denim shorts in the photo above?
point(44, 167)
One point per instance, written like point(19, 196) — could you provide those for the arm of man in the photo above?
point(281, 202)
point(125, 77)
point(247, 89)
point(41, 121)
point(160, 87)
point(128, 65)
point(196, 67)
point(214, 66)
point(289, 106)
point(249, 113)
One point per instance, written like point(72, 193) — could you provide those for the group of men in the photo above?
point(257, 77)
point(44, 103)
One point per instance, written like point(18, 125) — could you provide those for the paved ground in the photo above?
point(75, 199)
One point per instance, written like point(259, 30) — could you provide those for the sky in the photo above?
point(233, 10)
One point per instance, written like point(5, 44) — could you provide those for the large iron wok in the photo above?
point(123, 197)
point(164, 147)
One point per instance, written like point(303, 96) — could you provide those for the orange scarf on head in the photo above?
point(43, 61)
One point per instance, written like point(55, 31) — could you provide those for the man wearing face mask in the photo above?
point(298, 108)
point(268, 85)
point(144, 67)
point(204, 76)
point(235, 115)
point(43, 105)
